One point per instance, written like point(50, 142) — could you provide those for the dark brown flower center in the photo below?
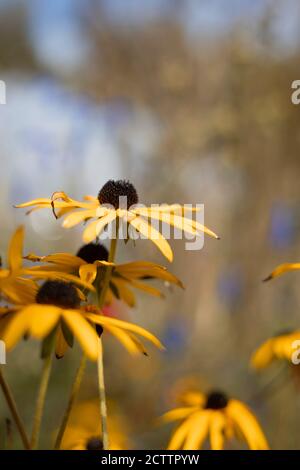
point(112, 191)
point(59, 293)
point(216, 400)
point(94, 443)
point(93, 252)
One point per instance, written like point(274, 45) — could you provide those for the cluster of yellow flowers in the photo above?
point(61, 296)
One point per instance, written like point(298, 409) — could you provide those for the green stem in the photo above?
point(40, 403)
point(14, 411)
point(101, 381)
point(108, 272)
point(102, 398)
point(73, 396)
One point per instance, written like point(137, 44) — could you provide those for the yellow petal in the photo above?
point(283, 268)
point(145, 288)
point(154, 235)
point(198, 430)
point(88, 273)
point(42, 201)
point(18, 290)
point(130, 342)
point(177, 413)
point(192, 398)
point(216, 428)
point(15, 329)
point(102, 320)
point(140, 269)
point(95, 228)
point(77, 217)
point(264, 355)
point(247, 424)
point(125, 294)
point(168, 208)
point(178, 437)
point(43, 318)
point(15, 250)
point(83, 331)
point(65, 259)
point(57, 275)
point(182, 223)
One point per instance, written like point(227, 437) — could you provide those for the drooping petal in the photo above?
point(121, 287)
point(130, 342)
point(198, 430)
point(94, 229)
point(178, 437)
point(77, 217)
point(145, 287)
point(15, 250)
point(154, 235)
point(283, 268)
point(15, 329)
point(43, 318)
point(141, 269)
point(102, 320)
point(247, 424)
point(83, 331)
point(217, 427)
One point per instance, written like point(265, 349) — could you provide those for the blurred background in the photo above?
point(191, 101)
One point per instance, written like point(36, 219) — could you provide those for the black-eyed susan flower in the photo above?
point(281, 269)
point(57, 311)
point(215, 417)
point(90, 264)
point(83, 431)
point(118, 200)
point(282, 347)
point(18, 282)
point(14, 287)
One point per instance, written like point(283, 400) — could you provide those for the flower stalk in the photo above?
point(72, 398)
point(40, 403)
point(100, 364)
point(14, 411)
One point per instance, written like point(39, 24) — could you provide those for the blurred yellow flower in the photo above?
point(281, 347)
point(92, 257)
point(57, 311)
point(216, 417)
point(105, 209)
point(83, 432)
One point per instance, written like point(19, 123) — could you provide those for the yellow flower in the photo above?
point(17, 282)
point(13, 285)
point(105, 209)
point(57, 311)
point(280, 347)
point(83, 431)
point(92, 257)
point(281, 269)
point(216, 417)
